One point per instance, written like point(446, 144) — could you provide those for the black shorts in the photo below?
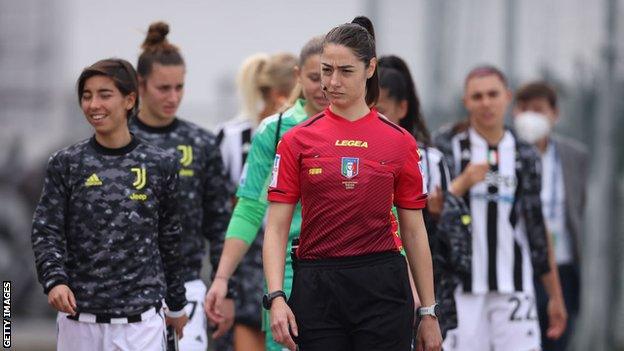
point(361, 303)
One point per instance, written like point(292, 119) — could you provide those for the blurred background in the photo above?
point(576, 45)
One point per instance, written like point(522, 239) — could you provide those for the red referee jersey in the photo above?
point(347, 174)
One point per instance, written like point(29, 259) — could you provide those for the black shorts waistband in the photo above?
point(350, 261)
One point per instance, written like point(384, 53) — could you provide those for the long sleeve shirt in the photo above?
point(107, 226)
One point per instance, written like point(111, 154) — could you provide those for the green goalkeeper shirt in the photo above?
point(252, 191)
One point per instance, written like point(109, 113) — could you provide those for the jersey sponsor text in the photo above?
point(352, 143)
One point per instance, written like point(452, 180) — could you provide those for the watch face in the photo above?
point(436, 310)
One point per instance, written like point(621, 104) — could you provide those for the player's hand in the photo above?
point(213, 303)
point(177, 324)
point(435, 202)
point(428, 337)
point(62, 299)
point(227, 309)
point(475, 173)
point(557, 318)
point(282, 323)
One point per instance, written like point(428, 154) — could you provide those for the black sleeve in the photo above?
point(217, 204)
point(445, 177)
point(531, 189)
point(169, 239)
point(48, 229)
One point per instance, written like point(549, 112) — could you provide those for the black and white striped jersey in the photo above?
point(434, 168)
point(234, 138)
point(501, 258)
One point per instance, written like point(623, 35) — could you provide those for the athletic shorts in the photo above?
point(494, 321)
point(195, 336)
point(147, 334)
point(361, 303)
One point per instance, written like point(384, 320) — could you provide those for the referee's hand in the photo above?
point(428, 337)
point(62, 299)
point(282, 323)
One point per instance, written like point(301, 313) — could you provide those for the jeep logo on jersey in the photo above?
point(187, 154)
point(350, 167)
point(141, 178)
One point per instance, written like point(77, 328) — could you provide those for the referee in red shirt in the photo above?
point(348, 165)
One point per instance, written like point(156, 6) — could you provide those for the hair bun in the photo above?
point(366, 23)
point(156, 34)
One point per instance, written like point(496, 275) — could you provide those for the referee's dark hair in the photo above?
point(359, 36)
point(120, 71)
point(395, 76)
point(157, 49)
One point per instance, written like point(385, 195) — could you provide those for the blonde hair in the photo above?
point(248, 85)
point(279, 73)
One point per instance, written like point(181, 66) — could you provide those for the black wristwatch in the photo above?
point(267, 299)
point(433, 310)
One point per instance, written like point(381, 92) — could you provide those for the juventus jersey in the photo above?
point(234, 139)
point(434, 169)
point(107, 226)
point(500, 250)
point(204, 190)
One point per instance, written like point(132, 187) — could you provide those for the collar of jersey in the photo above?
point(161, 130)
point(362, 120)
point(101, 149)
point(476, 137)
point(297, 111)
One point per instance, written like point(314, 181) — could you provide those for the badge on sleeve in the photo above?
point(275, 172)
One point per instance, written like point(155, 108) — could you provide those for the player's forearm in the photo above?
point(233, 252)
point(168, 244)
point(414, 236)
point(242, 230)
point(50, 267)
point(169, 238)
point(246, 220)
point(49, 251)
point(459, 186)
point(551, 281)
point(48, 229)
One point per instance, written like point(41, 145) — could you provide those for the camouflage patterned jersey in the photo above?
point(107, 227)
point(204, 189)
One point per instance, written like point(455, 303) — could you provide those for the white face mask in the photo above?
point(532, 126)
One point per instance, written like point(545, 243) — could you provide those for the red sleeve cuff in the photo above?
point(279, 196)
point(418, 204)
